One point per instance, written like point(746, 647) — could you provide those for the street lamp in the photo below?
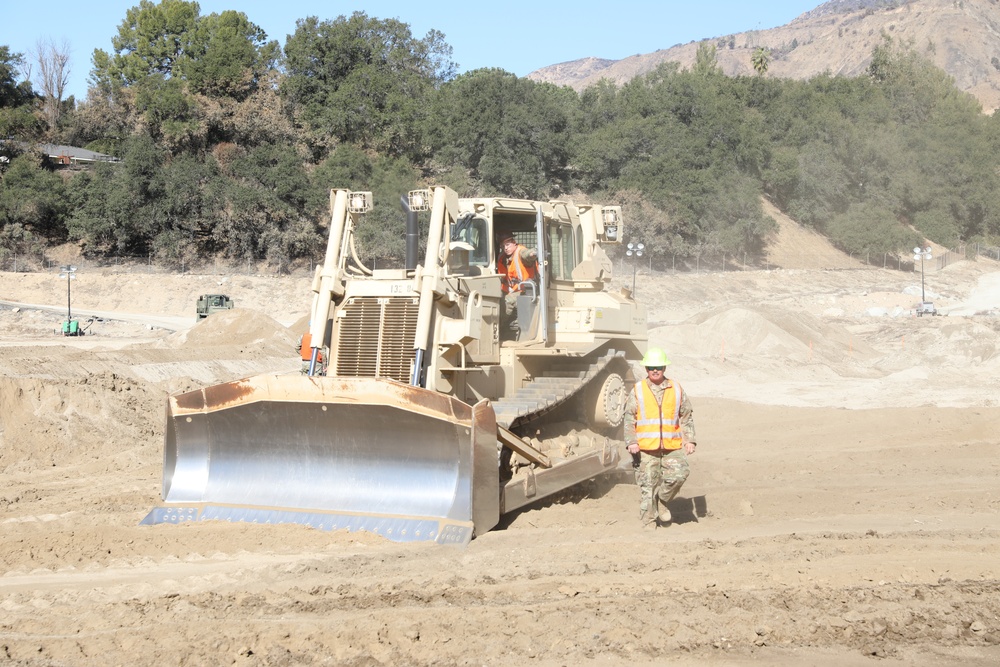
point(920, 255)
point(69, 273)
point(634, 250)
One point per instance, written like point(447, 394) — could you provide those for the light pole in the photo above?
point(69, 273)
point(921, 255)
point(634, 250)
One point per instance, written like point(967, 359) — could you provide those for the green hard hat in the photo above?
point(655, 357)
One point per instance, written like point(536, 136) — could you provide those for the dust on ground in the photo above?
point(842, 508)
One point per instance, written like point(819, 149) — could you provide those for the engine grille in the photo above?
point(375, 337)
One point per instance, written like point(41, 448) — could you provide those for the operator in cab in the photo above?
point(516, 265)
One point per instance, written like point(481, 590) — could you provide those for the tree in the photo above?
point(116, 205)
point(761, 60)
point(260, 118)
point(32, 197)
point(152, 39)
point(363, 80)
point(218, 55)
point(179, 76)
point(171, 115)
point(16, 117)
point(705, 60)
point(229, 56)
point(53, 70)
point(12, 93)
point(262, 212)
point(915, 87)
point(379, 236)
point(18, 244)
point(104, 124)
point(512, 134)
point(866, 228)
point(686, 141)
point(182, 221)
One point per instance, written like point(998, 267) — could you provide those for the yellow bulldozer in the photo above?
point(415, 418)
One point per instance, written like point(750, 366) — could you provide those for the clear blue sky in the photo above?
point(516, 35)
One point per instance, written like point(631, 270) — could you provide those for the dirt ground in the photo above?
point(843, 506)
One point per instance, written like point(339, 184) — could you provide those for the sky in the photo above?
point(519, 36)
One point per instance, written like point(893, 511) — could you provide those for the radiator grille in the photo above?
point(375, 337)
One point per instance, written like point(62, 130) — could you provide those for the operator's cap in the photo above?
point(506, 235)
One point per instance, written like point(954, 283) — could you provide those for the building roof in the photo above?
point(72, 154)
point(66, 154)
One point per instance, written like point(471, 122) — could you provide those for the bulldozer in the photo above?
point(415, 417)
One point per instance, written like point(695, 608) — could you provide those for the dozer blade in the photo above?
point(333, 453)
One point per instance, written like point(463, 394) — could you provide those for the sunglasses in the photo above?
point(656, 368)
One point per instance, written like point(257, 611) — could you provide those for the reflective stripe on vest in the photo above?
point(516, 271)
point(655, 429)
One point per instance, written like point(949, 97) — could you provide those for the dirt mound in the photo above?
point(254, 331)
point(55, 423)
point(69, 405)
point(984, 299)
point(761, 331)
point(300, 326)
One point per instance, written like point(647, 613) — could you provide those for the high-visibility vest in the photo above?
point(515, 272)
point(657, 425)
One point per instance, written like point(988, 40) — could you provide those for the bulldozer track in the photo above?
point(550, 390)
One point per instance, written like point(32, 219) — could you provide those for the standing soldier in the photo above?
point(659, 433)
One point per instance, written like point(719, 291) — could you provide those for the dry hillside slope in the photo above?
point(962, 38)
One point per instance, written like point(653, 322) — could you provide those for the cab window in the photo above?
point(562, 260)
point(475, 232)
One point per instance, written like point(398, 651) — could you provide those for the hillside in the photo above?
point(962, 38)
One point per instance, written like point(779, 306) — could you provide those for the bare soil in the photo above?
point(843, 506)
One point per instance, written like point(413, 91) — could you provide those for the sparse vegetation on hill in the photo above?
point(837, 37)
point(230, 143)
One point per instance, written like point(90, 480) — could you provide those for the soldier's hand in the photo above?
point(689, 448)
point(633, 448)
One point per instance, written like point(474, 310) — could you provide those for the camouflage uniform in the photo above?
point(662, 473)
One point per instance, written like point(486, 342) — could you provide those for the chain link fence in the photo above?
point(991, 251)
point(706, 263)
point(725, 262)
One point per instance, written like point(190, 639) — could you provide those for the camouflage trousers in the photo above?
point(511, 329)
point(659, 477)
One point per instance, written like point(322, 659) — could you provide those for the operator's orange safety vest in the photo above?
point(516, 272)
point(658, 425)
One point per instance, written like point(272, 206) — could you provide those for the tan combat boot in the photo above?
point(648, 518)
point(664, 512)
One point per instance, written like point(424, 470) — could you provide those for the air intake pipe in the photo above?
point(412, 234)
